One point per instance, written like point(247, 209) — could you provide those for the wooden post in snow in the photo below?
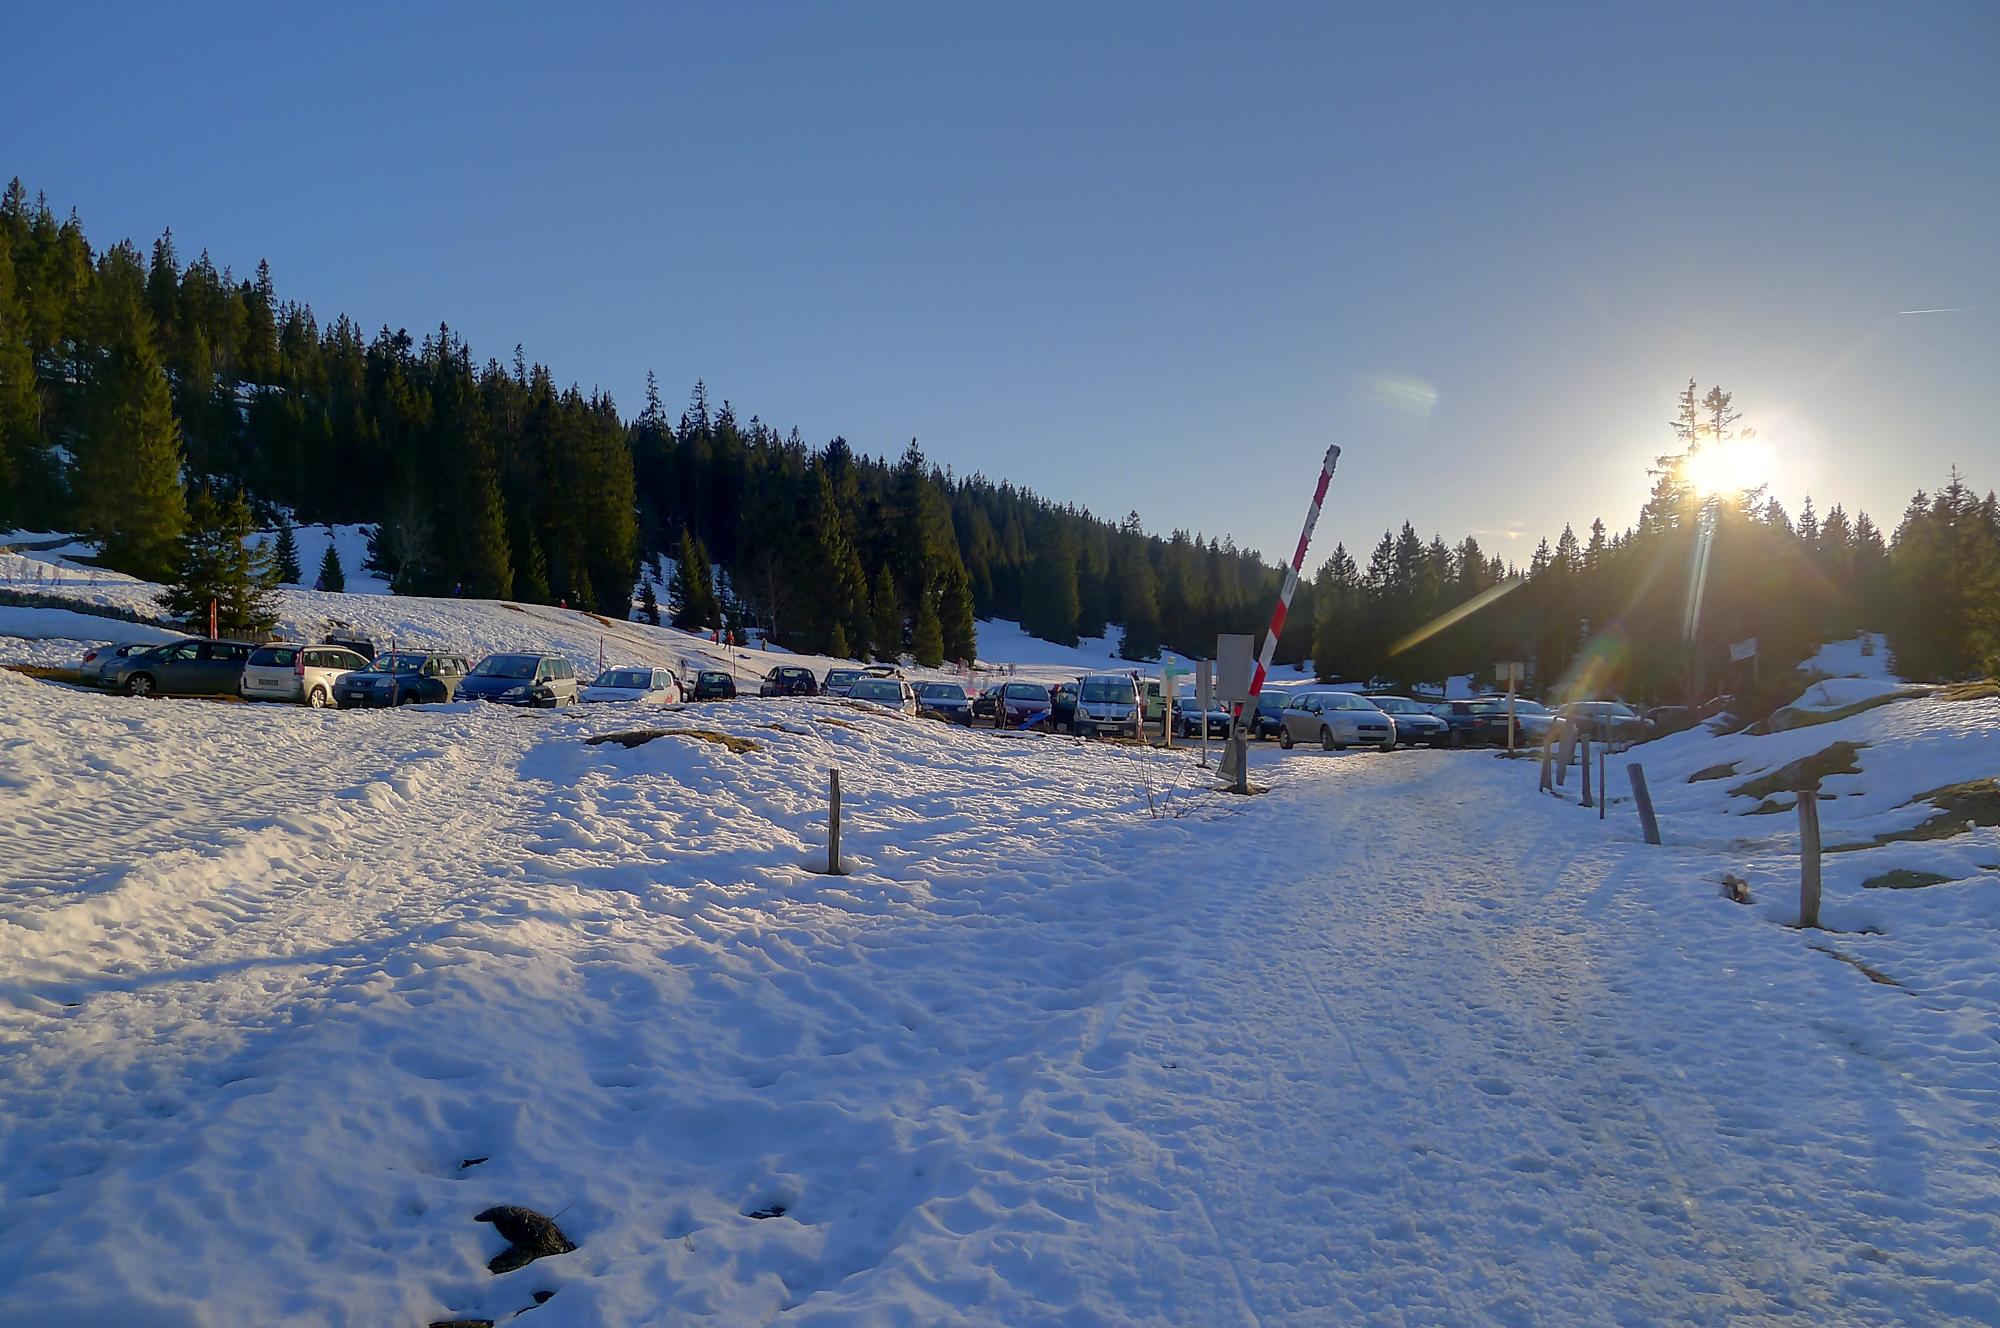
point(1603, 789)
point(1583, 741)
point(833, 825)
point(1649, 824)
point(1809, 856)
point(1548, 739)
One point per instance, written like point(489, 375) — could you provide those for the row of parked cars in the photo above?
point(350, 673)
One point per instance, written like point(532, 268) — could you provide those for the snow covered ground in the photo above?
point(289, 996)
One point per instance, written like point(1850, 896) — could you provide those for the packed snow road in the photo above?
point(286, 997)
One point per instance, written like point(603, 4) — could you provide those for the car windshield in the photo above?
point(1397, 705)
point(1027, 691)
point(639, 679)
point(398, 664)
point(1105, 691)
point(940, 691)
point(836, 676)
point(877, 689)
point(506, 666)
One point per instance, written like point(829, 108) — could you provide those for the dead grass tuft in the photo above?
point(1804, 773)
point(1959, 808)
point(1713, 772)
point(46, 672)
point(1983, 689)
point(1902, 878)
point(639, 737)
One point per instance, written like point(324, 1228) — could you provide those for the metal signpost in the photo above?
point(1204, 696)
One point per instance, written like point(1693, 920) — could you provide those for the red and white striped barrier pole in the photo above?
point(1285, 591)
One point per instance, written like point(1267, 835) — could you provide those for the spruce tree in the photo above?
point(927, 635)
point(961, 636)
point(693, 590)
point(649, 606)
point(331, 575)
point(285, 554)
point(886, 632)
point(20, 408)
point(836, 645)
point(218, 565)
point(128, 458)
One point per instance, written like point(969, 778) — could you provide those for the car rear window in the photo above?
point(877, 689)
point(1027, 691)
point(274, 657)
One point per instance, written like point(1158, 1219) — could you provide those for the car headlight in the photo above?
point(515, 693)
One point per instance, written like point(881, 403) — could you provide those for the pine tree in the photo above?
point(886, 633)
point(217, 565)
point(693, 589)
point(927, 635)
point(128, 462)
point(649, 606)
point(285, 554)
point(331, 575)
point(960, 634)
point(20, 407)
point(837, 643)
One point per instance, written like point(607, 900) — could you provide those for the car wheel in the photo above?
point(316, 698)
point(1389, 746)
point(139, 684)
point(1285, 738)
point(405, 698)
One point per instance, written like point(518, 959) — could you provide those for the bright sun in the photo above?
point(1731, 466)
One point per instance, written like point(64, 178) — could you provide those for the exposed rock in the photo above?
point(529, 1234)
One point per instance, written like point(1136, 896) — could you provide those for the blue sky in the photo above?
point(1133, 256)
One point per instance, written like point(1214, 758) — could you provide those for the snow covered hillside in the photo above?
point(290, 996)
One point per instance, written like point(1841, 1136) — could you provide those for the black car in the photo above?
point(1062, 706)
point(788, 680)
point(522, 680)
point(404, 677)
point(944, 700)
point(986, 705)
point(1269, 721)
point(713, 685)
point(838, 681)
point(1473, 723)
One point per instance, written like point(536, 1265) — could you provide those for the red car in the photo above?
point(1022, 705)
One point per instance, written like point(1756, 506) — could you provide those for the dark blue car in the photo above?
point(402, 678)
point(521, 680)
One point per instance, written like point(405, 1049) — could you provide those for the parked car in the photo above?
point(282, 672)
point(1154, 698)
point(790, 680)
point(1671, 719)
point(1473, 723)
point(1531, 720)
point(546, 681)
point(1107, 703)
point(351, 640)
point(881, 671)
point(838, 681)
point(402, 677)
point(1062, 706)
point(1413, 721)
point(1190, 720)
point(634, 682)
point(1269, 721)
point(986, 705)
point(714, 685)
point(893, 693)
point(1335, 720)
point(1023, 705)
point(947, 701)
point(97, 662)
point(1606, 721)
point(193, 666)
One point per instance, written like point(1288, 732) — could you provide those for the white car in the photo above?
point(635, 682)
point(100, 659)
point(288, 672)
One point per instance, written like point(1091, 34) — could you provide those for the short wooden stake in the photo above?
point(1809, 857)
point(1565, 753)
point(1649, 825)
point(1548, 740)
point(1584, 742)
point(833, 825)
point(1603, 790)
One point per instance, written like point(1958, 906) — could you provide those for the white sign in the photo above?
point(1741, 650)
point(1233, 663)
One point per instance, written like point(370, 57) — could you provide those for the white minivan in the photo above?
point(286, 672)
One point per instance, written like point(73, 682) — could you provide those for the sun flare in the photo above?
point(1734, 465)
